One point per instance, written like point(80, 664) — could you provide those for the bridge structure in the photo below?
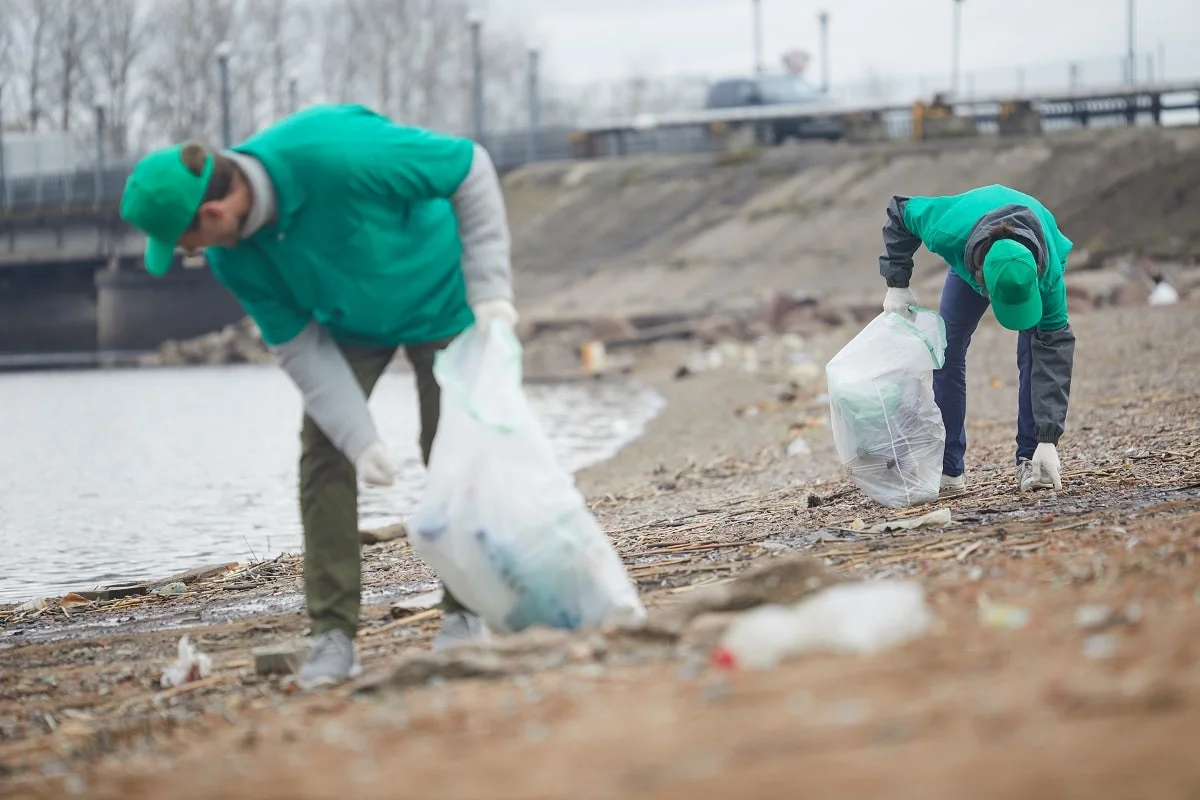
point(71, 275)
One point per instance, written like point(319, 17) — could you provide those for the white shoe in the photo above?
point(459, 627)
point(331, 660)
point(953, 486)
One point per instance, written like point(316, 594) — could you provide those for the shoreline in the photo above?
point(707, 494)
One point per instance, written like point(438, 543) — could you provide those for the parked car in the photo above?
point(777, 90)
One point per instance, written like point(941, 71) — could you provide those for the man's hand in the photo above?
point(374, 467)
point(897, 300)
point(488, 310)
point(1045, 471)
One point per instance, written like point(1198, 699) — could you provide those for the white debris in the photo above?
point(799, 447)
point(191, 665)
point(848, 618)
point(934, 519)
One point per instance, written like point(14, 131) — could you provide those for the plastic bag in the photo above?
point(500, 520)
point(886, 425)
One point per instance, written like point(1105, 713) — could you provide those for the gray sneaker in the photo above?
point(331, 660)
point(952, 487)
point(1027, 480)
point(459, 627)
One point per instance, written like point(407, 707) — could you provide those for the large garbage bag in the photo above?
point(499, 519)
point(886, 425)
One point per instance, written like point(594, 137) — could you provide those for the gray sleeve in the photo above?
point(899, 244)
point(332, 396)
point(1053, 355)
point(483, 229)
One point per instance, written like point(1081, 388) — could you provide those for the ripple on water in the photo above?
point(133, 475)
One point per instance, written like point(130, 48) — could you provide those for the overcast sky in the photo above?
point(588, 39)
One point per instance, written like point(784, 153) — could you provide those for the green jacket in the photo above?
point(954, 227)
point(365, 241)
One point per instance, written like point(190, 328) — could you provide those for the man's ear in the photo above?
point(211, 212)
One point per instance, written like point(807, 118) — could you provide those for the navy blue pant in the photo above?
point(962, 307)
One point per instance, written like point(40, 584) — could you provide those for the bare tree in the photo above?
point(71, 25)
point(117, 47)
point(182, 84)
point(31, 27)
point(7, 54)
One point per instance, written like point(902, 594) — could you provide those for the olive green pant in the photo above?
point(329, 494)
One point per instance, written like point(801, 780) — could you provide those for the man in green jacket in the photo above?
point(344, 236)
point(1005, 250)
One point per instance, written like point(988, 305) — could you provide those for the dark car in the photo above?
point(777, 90)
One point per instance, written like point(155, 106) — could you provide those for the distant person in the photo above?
point(344, 236)
point(1004, 249)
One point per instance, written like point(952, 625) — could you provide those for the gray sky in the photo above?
point(613, 38)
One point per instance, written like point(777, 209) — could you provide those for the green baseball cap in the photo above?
point(1010, 274)
point(161, 199)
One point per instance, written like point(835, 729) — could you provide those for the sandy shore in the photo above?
point(1049, 709)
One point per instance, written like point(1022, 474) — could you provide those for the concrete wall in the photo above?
point(85, 307)
point(48, 311)
point(135, 311)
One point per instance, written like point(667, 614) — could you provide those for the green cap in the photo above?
point(161, 199)
point(1010, 274)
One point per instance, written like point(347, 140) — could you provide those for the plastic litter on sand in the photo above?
point(849, 618)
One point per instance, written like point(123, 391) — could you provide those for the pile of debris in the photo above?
point(240, 343)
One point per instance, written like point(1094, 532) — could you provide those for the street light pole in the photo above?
point(293, 95)
point(224, 51)
point(531, 143)
point(1132, 65)
point(956, 46)
point(99, 153)
point(3, 179)
point(475, 20)
point(758, 37)
point(824, 19)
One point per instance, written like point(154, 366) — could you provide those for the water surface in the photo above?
point(108, 476)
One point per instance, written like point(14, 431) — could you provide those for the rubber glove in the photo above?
point(374, 466)
point(898, 300)
point(488, 310)
point(1046, 471)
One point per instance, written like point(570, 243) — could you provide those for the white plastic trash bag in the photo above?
point(500, 520)
point(886, 425)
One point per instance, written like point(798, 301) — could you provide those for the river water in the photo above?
point(109, 476)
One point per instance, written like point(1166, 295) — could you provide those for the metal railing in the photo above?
point(675, 131)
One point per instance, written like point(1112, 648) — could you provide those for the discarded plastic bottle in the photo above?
point(847, 618)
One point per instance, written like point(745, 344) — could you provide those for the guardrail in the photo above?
point(89, 191)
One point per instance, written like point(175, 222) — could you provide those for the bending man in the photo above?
point(1004, 249)
point(344, 236)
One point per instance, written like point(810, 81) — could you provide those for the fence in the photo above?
point(27, 183)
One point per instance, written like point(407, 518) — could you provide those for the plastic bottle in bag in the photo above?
point(500, 521)
point(886, 425)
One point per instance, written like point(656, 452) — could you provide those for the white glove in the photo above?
point(1045, 472)
point(898, 300)
point(374, 467)
point(488, 310)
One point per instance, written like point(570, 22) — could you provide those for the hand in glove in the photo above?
point(374, 467)
point(1044, 469)
point(898, 300)
point(489, 310)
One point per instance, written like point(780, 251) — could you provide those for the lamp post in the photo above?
point(823, 18)
point(531, 143)
point(224, 51)
point(956, 44)
point(293, 94)
point(758, 37)
point(1131, 67)
point(475, 21)
point(3, 179)
point(100, 126)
